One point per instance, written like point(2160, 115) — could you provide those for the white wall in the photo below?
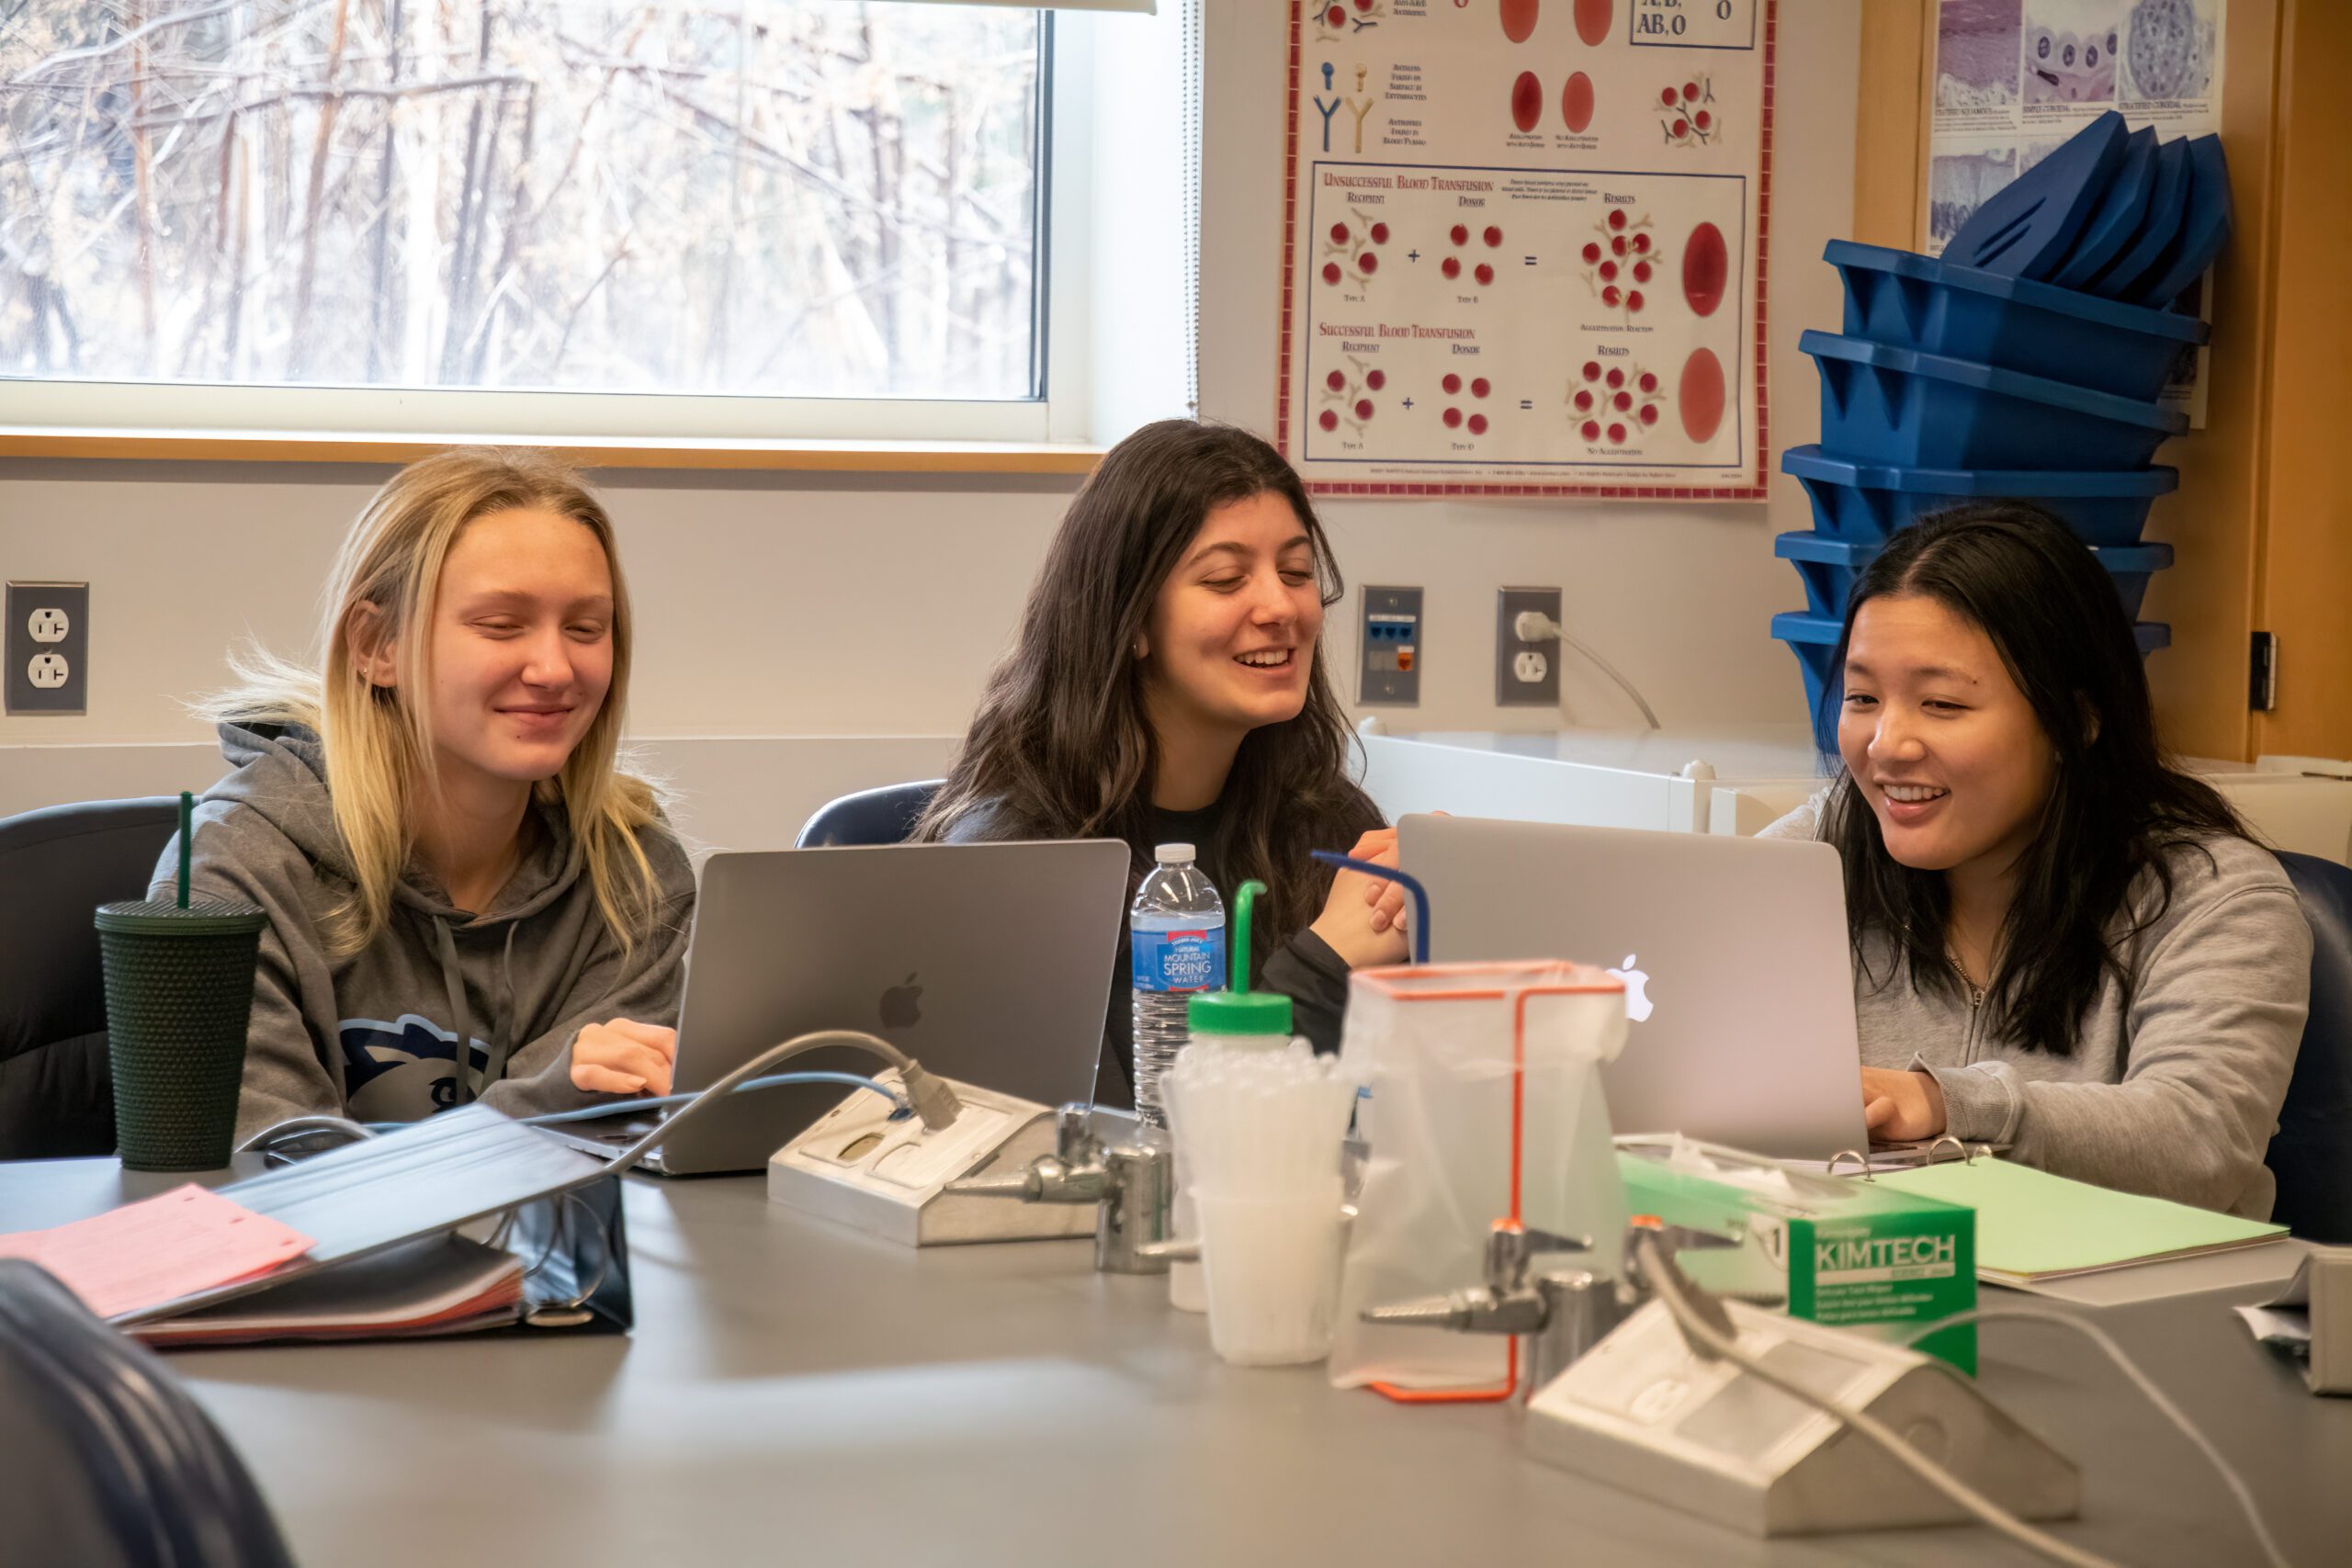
point(775, 605)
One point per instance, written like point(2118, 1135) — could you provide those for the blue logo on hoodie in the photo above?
point(372, 1048)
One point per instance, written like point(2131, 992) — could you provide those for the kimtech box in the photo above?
point(1838, 1250)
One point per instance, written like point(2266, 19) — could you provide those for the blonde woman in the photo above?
point(468, 898)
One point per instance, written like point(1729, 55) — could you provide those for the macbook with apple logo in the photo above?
point(990, 964)
point(1740, 991)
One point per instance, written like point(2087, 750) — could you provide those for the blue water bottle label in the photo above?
point(1179, 961)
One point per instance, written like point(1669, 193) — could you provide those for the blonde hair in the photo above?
point(379, 747)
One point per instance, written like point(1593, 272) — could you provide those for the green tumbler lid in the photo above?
point(1240, 1010)
point(162, 917)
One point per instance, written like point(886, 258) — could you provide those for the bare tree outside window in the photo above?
point(771, 197)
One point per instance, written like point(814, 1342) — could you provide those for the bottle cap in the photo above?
point(1173, 855)
point(1240, 1010)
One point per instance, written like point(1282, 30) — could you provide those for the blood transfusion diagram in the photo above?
point(1700, 396)
point(1706, 269)
point(1577, 103)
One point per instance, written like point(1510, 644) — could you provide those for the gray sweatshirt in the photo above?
point(2173, 1089)
point(375, 1035)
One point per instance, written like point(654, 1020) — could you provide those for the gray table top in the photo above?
point(795, 1391)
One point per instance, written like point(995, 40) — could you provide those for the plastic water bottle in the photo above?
point(1176, 934)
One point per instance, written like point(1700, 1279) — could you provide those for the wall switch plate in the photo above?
point(1390, 668)
point(47, 644)
point(1527, 674)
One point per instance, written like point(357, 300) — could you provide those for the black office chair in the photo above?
point(57, 867)
point(110, 1463)
point(884, 816)
point(2311, 1155)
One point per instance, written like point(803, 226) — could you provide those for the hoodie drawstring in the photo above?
point(501, 1030)
point(454, 982)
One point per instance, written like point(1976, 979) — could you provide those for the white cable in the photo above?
point(2146, 1385)
point(1661, 1277)
point(1535, 625)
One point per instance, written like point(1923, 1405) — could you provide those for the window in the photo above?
point(715, 218)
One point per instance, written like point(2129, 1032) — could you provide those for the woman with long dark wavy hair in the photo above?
point(1167, 686)
point(2062, 943)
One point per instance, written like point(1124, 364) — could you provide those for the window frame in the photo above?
point(1049, 433)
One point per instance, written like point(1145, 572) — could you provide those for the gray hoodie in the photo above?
point(374, 1035)
point(2174, 1086)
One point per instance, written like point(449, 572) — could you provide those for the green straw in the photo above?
point(188, 831)
point(1243, 902)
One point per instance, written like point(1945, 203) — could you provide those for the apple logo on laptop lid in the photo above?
point(902, 1005)
point(1637, 998)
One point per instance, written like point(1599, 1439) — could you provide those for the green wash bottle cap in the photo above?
point(1240, 1010)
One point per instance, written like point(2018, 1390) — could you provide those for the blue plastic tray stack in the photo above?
point(2026, 362)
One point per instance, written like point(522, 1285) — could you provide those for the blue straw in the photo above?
point(1390, 874)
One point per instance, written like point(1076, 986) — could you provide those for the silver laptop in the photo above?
point(1739, 988)
point(988, 962)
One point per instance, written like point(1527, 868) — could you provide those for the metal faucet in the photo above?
point(1109, 1158)
point(1560, 1313)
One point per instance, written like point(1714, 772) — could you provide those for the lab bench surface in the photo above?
point(797, 1393)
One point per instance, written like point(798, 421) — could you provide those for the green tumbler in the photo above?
point(179, 994)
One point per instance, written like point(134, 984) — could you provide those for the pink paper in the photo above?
point(159, 1249)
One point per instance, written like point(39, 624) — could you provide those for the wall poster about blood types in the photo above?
point(2013, 78)
point(1524, 245)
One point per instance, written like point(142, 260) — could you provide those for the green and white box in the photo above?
point(1840, 1250)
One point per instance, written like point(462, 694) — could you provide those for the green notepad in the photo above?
point(2033, 1225)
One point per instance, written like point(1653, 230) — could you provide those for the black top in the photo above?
point(1303, 968)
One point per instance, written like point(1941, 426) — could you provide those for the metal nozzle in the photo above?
point(1186, 1249)
point(1022, 1184)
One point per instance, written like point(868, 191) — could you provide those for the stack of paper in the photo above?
point(441, 1284)
point(145, 1254)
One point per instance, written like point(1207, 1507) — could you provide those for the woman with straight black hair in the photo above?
point(1167, 686)
point(2062, 944)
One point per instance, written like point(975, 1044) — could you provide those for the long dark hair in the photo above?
point(1061, 745)
point(2117, 803)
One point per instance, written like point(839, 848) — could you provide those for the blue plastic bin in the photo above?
point(1865, 502)
point(1906, 300)
point(1814, 640)
point(1893, 405)
point(1830, 565)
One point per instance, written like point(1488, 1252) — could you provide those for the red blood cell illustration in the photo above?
point(1690, 91)
point(1363, 4)
point(1591, 430)
point(1330, 272)
point(1485, 273)
point(1453, 418)
point(1584, 402)
point(1363, 408)
point(1617, 246)
point(1451, 266)
point(1368, 261)
point(1706, 267)
point(1617, 435)
point(1617, 218)
point(1452, 383)
point(1616, 376)
point(1641, 242)
point(1649, 413)
point(1592, 253)
point(1493, 236)
point(1380, 233)
point(1477, 424)
point(1665, 96)
point(1702, 119)
point(1480, 388)
point(1700, 395)
point(1633, 300)
point(1591, 371)
point(1518, 19)
point(1335, 18)
point(1577, 103)
point(1338, 233)
point(1330, 419)
point(1608, 272)
point(1337, 381)
point(1592, 21)
point(1610, 296)
point(1681, 128)
point(1641, 272)
point(1526, 101)
point(1461, 234)
point(1621, 401)
point(1375, 379)
point(1649, 382)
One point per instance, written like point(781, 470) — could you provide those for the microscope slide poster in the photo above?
point(1524, 247)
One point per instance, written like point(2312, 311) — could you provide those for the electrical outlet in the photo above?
point(47, 646)
point(1390, 661)
point(1527, 671)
